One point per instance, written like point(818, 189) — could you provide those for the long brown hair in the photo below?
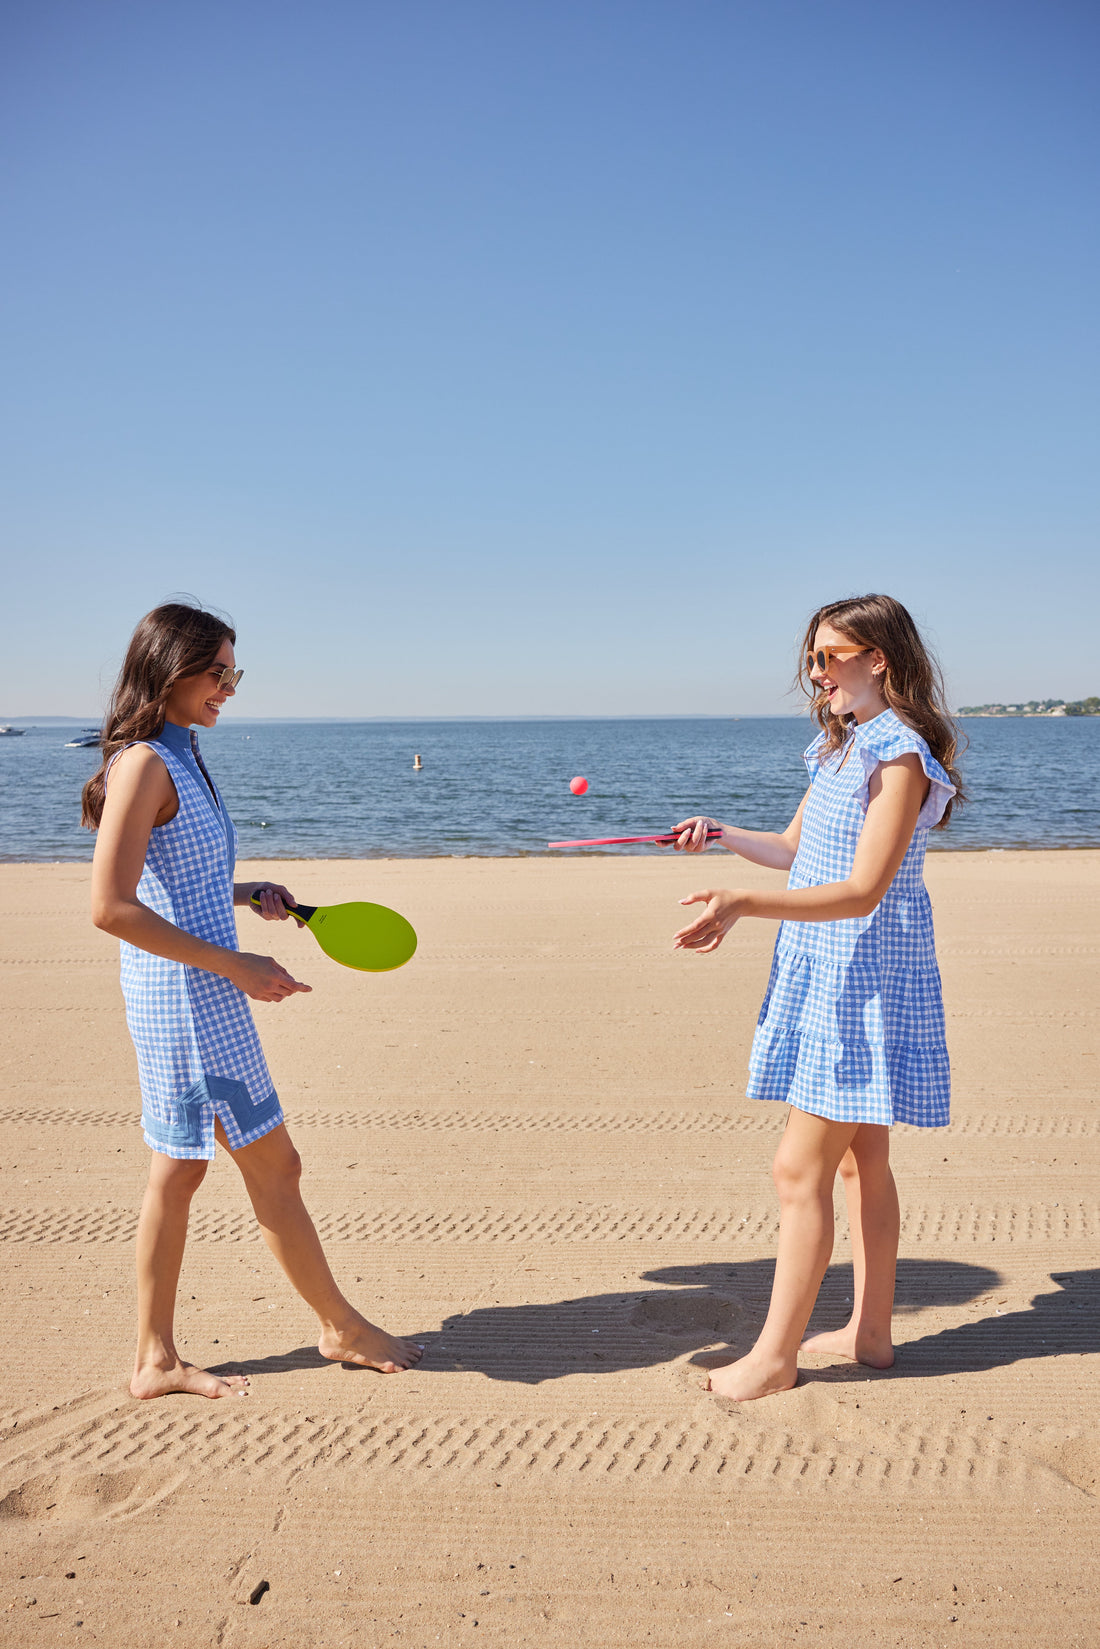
point(172, 642)
point(912, 683)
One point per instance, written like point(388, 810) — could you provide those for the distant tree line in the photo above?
point(1035, 707)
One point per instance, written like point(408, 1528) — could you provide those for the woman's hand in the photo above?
point(261, 977)
point(691, 834)
point(276, 901)
point(724, 908)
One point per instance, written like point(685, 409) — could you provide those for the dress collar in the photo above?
point(860, 729)
point(180, 740)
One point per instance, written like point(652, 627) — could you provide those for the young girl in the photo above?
point(851, 1034)
point(162, 881)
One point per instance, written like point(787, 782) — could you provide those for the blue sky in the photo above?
point(548, 358)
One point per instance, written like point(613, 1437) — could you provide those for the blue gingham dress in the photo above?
point(852, 1024)
point(197, 1049)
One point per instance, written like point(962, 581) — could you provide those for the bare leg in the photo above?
point(161, 1235)
point(875, 1222)
point(804, 1170)
point(272, 1169)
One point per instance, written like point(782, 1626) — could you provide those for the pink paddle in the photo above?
point(623, 841)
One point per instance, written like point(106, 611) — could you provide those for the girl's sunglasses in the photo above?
point(821, 659)
point(228, 678)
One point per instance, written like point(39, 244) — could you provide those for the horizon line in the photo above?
point(638, 715)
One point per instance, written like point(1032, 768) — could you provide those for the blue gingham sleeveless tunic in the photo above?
point(852, 1025)
point(197, 1049)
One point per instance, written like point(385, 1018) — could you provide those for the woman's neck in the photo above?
point(871, 713)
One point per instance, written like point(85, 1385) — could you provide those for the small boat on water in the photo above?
point(12, 732)
point(88, 740)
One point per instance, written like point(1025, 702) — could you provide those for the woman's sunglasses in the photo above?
point(820, 659)
point(228, 677)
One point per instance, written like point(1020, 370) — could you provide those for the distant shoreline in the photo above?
point(1024, 715)
point(1056, 708)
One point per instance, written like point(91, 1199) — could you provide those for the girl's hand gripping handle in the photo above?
point(694, 835)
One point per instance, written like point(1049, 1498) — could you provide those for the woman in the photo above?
point(162, 882)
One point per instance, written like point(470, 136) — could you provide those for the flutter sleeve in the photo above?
point(899, 740)
point(812, 757)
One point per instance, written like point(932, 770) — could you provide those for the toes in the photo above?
point(404, 1356)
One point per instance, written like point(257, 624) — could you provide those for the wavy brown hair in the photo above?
point(171, 643)
point(912, 684)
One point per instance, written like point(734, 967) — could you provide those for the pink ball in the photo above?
point(578, 786)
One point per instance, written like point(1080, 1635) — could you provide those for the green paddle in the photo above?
point(372, 938)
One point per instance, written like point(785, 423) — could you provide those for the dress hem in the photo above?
point(873, 1122)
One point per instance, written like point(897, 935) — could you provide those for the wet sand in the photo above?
point(529, 1149)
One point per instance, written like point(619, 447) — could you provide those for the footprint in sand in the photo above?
point(75, 1497)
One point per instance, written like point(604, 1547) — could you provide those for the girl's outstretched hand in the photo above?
point(710, 928)
point(262, 978)
point(691, 834)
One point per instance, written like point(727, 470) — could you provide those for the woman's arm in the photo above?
point(895, 795)
point(140, 794)
point(772, 848)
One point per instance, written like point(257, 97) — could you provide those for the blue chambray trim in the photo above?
point(183, 1129)
point(246, 1114)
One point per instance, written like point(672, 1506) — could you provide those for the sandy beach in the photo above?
point(529, 1150)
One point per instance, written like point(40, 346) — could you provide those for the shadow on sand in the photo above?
point(715, 1311)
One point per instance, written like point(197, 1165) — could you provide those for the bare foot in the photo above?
point(857, 1347)
point(152, 1381)
point(361, 1342)
point(752, 1376)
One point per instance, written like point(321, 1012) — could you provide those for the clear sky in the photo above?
point(548, 356)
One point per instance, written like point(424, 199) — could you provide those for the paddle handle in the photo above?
point(674, 836)
point(300, 913)
point(666, 840)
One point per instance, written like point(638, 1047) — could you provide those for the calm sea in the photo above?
point(301, 790)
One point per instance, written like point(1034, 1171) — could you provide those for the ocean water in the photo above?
point(301, 790)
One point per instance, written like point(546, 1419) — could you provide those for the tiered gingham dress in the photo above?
point(197, 1049)
point(852, 1024)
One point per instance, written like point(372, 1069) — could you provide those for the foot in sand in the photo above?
point(153, 1380)
point(874, 1350)
point(361, 1342)
point(753, 1376)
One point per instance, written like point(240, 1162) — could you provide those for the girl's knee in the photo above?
point(849, 1167)
point(869, 1153)
point(793, 1175)
point(803, 1170)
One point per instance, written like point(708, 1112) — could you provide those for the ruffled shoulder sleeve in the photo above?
point(812, 757)
point(886, 738)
